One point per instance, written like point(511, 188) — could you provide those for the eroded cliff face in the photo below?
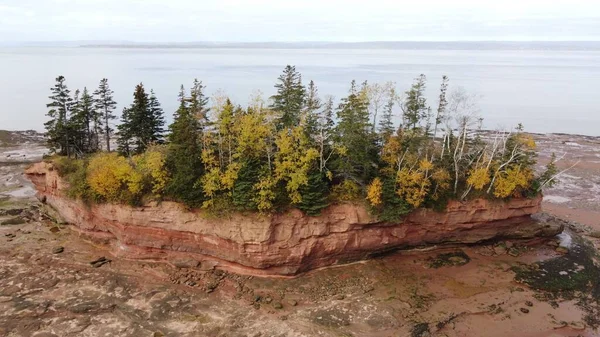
point(281, 244)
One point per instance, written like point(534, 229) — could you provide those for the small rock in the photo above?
point(514, 252)
point(55, 229)
point(99, 262)
point(577, 325)
point(562, 250)
point(595, 234)
point(553, 243)
point(268, 300)
point(257, 298)
point(158, 334)
point(339, 297)
point(210, 290)
point(277, 305)
point(529, 303)
point(509, 244)
point(293, 303)
point(524, 310)
point(58, 250)
point(499, 250)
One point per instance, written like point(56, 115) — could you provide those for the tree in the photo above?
point(184, 159)
point(310, 115)
point(142, 123)
point(386, 124)
point(83, 125)
point(105, 105)
point(290, 97)
point(60, 105)
point(157, 119)
point(354, 134)
point(414, 109)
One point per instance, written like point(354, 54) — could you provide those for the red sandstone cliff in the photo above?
point(282, 244)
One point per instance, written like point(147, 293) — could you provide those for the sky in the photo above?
point(302, 20)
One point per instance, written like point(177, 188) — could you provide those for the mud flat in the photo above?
point(538, 287)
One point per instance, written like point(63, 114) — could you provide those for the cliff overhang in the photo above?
point(283, 244)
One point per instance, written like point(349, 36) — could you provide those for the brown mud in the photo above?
point(511, 288)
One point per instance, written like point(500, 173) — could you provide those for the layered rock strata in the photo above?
point(282, 244)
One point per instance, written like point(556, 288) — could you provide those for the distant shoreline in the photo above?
point(393, 45)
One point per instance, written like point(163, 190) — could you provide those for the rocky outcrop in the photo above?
point(282, 244)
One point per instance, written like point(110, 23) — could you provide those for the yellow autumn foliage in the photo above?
point(293, 161)
point(111, 176)
point(479, 177)
point(413, 185)
point(374, 192)
point(151, 166)
point(265, 195)
point(507, 182)
point(346, 191)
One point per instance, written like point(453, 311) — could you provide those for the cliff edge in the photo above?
point(282, 244)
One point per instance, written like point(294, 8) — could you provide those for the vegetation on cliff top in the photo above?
point(300, 150)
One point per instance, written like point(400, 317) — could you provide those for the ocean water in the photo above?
point(546, 90)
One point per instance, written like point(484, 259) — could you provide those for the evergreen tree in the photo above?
point(56, 128)
point(105, 105)
point(354, 133)
point(81, 123)
point(125, 141)
point(157, 119)
point(290, 97)
point(243, 191)
point(386, 125)
point(141, 123)
point(199, 103)
point(414, 108)
point(311, 111)
point(314, 194)
point(184, 159)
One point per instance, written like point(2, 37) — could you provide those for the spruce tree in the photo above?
point(141, 124)
point(354, 133)
point(125, 143)
point(184, 161)
point(56, 127)
point(290, 97)
point(105, 106)
point(314, 194)
point(311, 111)
point(386, 124)
point(157, 119)
point(82, 123)
point(414, 108)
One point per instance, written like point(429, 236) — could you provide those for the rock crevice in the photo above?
point(287, 243)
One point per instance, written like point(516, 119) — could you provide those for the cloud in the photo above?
point(314, 20)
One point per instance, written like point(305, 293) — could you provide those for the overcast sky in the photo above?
point(301, 20)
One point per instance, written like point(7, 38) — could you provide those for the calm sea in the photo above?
point(546, 90)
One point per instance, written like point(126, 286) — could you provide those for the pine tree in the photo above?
point(56, 127)
point(290, 97)
point(105, 105)
point(184, 159)
point(354, 133)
